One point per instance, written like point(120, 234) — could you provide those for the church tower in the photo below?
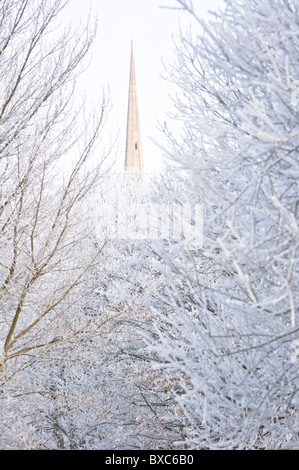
point(133, 158)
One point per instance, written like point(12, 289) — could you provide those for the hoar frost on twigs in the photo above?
point(47, 174)
point(237, 320)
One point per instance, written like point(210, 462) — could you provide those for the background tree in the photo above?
point(231, 325)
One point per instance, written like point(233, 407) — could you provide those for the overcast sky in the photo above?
point(151, 28)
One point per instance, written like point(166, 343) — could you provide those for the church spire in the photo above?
point(133, 159)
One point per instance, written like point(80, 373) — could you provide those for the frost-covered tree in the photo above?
point(137, 401)
point(231, 316)
point(47, 173)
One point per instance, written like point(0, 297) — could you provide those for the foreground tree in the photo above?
point(230, 319)
point(47, 174)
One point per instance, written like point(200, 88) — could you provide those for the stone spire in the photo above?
point(133, 159)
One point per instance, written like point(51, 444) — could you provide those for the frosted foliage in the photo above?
point(235, 304)
point(109, 343)
point(74, 371)
point(46, 248)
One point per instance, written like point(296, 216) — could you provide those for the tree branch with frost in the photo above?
point(40, 208)
point(230, 322)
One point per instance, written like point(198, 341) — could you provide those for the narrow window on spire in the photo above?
point(136, 146)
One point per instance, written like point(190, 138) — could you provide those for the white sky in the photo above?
point(151, 28)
